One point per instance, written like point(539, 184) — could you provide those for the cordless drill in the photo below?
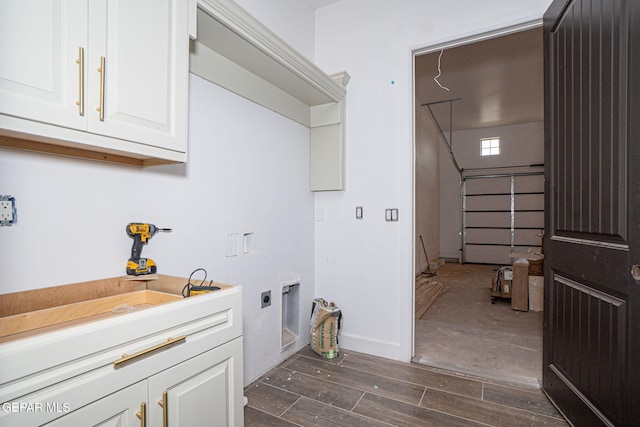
point(141, 232)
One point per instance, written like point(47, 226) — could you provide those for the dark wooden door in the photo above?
point(592, 219)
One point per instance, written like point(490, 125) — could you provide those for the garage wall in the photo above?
point(520, 145)
point(427, 184)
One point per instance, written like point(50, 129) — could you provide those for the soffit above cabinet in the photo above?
point(231, 35)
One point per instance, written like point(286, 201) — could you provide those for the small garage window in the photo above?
point(490, 146)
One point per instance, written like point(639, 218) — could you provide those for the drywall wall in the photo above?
point(427, 190)
point(521, 144)
point(247, 172)
point(367, 266)
point(292, 20)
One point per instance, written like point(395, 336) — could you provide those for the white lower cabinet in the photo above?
point(200, 392)
point(177, 364)
point(121, 409)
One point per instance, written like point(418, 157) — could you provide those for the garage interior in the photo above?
point(479, 205)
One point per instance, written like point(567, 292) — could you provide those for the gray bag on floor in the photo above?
point(326, 320)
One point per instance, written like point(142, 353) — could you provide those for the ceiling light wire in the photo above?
point(435, 79)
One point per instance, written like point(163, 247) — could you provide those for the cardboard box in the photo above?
point(536, 293)
point(520, 291)
point(505, 288)
point(501, 283)
point(535, 267)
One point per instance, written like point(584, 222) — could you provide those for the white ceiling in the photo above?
point(499, 80)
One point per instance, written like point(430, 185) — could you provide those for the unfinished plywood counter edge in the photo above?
point(75, 364)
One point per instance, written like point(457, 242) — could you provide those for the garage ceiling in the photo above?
point(500, 81)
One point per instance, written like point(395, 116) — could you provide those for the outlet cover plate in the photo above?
point(8, 214)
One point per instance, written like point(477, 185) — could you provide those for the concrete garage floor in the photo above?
point(463, 332)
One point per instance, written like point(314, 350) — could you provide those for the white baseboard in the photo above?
point(386, 349)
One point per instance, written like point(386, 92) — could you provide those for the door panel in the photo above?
point(202, 391)
point(119, 409)
point(591, 301)
point(590, 172)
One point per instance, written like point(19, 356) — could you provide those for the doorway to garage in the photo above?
point(479, 202)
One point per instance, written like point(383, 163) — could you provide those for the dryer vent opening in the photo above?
point(290, 314)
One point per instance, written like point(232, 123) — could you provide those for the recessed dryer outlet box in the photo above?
point(265, 299)
point(290, 314)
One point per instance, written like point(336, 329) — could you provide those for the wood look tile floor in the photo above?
point(362, 390)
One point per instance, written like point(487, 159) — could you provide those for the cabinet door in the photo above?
point(142, 89)
point(39, 45)
point(116, 410)
point(205, 391)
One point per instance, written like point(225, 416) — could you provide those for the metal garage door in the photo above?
point(501, 214)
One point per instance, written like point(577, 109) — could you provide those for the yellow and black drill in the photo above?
point(141, 232)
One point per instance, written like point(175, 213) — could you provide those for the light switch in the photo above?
point(359, 212)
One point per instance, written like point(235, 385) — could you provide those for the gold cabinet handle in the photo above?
point(80, 62)
point(100, 108)
point(169, 342)
point(165, 409)
point(142, 414)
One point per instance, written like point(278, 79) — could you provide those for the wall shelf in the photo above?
point(236, 51)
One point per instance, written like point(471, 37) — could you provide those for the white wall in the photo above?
point(521, 144)
point(247, 172)
point(367, 267)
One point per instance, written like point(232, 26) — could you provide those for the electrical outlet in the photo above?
point(265, 299)
point(7, 210)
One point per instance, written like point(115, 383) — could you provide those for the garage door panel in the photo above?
point(529, 201)
point(501, 214)
point(502, 237)
point(498, 255)
point(529, 219)
point(529, 183)
point(488, 219)
point(488, 185)
point(528, 237)
point(487, 203)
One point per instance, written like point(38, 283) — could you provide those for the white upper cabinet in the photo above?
point(143, 88)
point(103, 75)
point(40, 41)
